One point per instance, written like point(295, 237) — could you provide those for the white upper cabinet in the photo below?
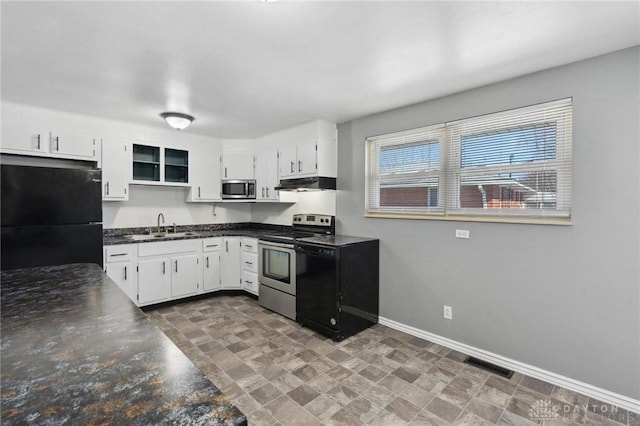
point(23, 139)
point(204, 169)
point(267, 175)
point(71, 144)
point(27, 139)
point(308, 150)
point(299, 160)
point(38, 132)
point(116, 169)
point(238, 165)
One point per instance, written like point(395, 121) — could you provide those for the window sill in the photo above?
point(556, 221)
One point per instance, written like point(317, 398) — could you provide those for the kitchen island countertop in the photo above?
point(75, 349)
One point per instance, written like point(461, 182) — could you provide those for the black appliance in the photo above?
point(337, 284)
point(277, 262)
point(50, 216)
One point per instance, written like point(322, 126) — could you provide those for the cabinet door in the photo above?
point(185, 276)
point(124, 276)
point(250, 282)
point(211, 274)
point(238, 165)
point(267, 176)
point(23, 139)
point(307, 160)
point(116, 173)
point(230, 263)
point(71, 144)
point(154, 281)
point(288, 161)
point(204, 170)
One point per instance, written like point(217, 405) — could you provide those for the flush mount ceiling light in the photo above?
point(177, 120)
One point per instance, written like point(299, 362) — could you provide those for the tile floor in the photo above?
point(279, 373)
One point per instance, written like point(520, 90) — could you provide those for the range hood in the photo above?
point(316, 183)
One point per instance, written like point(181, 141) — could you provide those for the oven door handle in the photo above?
point(267, 244)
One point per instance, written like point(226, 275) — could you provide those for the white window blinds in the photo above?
point(513, 163)
point(404, 171)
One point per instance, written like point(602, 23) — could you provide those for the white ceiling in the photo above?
point(245, 69)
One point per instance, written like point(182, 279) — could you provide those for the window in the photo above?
point(406, 171)
point(510, 164)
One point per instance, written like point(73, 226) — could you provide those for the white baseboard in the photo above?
point(600, 394)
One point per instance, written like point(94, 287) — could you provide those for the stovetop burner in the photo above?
point(305, 226)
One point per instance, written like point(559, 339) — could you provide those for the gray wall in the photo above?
point(562, 298)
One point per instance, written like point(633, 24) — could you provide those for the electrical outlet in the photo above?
point(448, 312)
point(462, 233)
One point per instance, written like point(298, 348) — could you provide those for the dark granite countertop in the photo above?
point(119, 236)
point(76, 350)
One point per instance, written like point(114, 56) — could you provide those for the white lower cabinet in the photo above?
point(249, 262)
point(168, 270)
point(120, 266)
point(211, 264)
point(154, 281)
point(230, 263)
point(185, 276)
point(157, 272)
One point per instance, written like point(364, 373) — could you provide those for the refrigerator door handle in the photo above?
point(125, 273)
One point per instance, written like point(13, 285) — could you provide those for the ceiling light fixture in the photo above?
point(177, 120)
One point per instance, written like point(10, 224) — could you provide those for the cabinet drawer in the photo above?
point(250, 262)
point(211, 244)
point(250, 282)
point(168, 247)
point(250, 245)
point(120, 253)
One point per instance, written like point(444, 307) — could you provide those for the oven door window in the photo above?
point(277, 265)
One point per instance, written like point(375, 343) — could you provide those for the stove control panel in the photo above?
point(313, 219)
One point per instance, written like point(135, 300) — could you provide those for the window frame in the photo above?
point(451, 172)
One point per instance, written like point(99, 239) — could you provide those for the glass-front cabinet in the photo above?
point(176, 165)
point(153, 164)
point(146, 163)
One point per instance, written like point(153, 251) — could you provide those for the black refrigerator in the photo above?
point(50, 216)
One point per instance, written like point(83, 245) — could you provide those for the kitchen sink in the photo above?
point(160, 235)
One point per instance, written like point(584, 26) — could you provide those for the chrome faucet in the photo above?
point(160, 216)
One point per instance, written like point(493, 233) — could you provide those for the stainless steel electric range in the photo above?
point(277, 262)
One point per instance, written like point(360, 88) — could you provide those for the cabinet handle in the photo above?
point(176, 266)
point(57, 143)
point(248, 245)
point(248, 282)
point(117, 254)
point(292, 163)
point(198, 192)
point(38, 139)
point(225, 172)
point(211, 245)
point(164, 268)
point(125, 273)
point(106, 188)
point(207, 258)
point(263, 192)
point(227, 245)
point(248, 263)
point(299, 166)
point(267, 192)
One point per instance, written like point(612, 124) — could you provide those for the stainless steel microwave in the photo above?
point(244, 189)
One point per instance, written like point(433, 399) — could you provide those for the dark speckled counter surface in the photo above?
point(76, 350)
